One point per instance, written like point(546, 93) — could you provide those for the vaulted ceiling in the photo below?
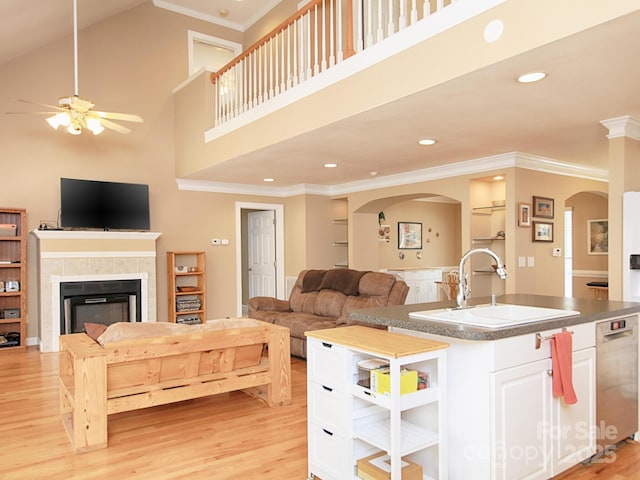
point(592, 76)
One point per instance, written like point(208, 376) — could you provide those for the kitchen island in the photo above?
point(503, 420)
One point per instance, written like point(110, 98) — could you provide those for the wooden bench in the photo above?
point(97, 381)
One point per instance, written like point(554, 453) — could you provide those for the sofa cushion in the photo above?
point(343, 280)
point(312, 280)
point(298, 323)
point(354, 303)
point(376, 284)
point(302, 302)
point(330, 303)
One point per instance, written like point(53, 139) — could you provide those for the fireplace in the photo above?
point(74, 257)
point(103, 302)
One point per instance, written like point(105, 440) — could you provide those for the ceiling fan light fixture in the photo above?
point(94, 125)
point(74, 129)
point(61, 119)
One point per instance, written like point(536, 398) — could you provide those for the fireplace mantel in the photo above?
point(78, 255)
point(94, 234)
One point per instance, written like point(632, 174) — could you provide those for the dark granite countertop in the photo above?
point(590, 311)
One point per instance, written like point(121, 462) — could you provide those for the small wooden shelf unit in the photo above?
point(187, 284)
point(13, 263)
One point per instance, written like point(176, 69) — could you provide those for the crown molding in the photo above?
point(470, 167)
point(199, 15)
point(625, 126)
point(240, 27)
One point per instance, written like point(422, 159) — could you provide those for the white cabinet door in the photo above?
point(521, 407)
point(534, 434)
point(412, 296)
point(573, 433)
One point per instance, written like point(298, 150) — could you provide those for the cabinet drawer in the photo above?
point(513, 351)
point(328, 364)
point(329, 453)
point(328, 407)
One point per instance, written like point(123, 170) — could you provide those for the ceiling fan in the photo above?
point(76, 113)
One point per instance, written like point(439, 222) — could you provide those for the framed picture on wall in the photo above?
point(409, 235)
point(598, 237)
point(542, 232)
point(542, 207)
point(524, 215)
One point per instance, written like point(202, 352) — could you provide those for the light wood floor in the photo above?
point(228, 436)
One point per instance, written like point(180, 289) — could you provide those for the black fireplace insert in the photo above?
point(104, 302)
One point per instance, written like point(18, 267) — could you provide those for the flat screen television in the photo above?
point(88, 204)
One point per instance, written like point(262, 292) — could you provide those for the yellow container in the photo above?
point(381, 381)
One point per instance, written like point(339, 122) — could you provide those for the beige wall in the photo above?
point(440, 234)
point(547, 276)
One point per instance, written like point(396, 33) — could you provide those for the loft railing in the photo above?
point(319, 36)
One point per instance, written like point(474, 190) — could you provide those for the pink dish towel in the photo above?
point(562, 365)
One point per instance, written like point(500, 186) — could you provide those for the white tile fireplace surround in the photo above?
point(86, 256)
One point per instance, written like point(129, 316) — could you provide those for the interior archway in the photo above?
point(587, 262)
point(375, 231)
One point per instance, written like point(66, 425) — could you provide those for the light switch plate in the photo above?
point(522, 262)
point(531, 262)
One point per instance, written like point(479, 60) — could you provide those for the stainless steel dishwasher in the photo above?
point(616, 380)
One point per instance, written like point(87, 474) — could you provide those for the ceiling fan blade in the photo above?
point(30, 113)
point(114, 126)
point(56, 107)
point(127, 117)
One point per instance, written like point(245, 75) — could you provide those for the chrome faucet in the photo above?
point(464, 291)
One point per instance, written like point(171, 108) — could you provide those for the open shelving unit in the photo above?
point(187, 284)
point(13, 294)
point(348, 421)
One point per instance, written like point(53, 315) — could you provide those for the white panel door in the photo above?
point(573, 432)
point(262, 253)
point(521, 413)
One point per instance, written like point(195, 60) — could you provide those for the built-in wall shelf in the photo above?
point(483, 272)
point(486, 239)
point(487, 210)
point(340, 233)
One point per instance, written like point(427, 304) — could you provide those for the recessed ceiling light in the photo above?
point(373, 173)
point(330, 165)
point(427, 141)
point(269, 180)
point(531, 77)
point(498, 177)
point(493, 31)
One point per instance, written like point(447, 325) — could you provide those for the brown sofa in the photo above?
point(321, 299)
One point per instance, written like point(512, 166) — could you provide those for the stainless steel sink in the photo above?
point(493, 316)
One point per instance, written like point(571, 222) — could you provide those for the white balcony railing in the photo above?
point(321, 35)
